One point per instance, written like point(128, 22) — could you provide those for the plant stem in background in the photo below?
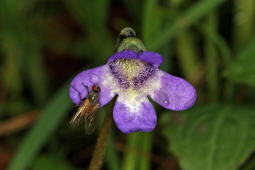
point(130, 158)
point(98, 154)
point(243, 23)
point(188, 56)
point(146, 148)
point(211, 60)
point(151, 22)
point(226, 55)
point(112, 157)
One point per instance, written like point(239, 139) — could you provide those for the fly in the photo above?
point(87, 110)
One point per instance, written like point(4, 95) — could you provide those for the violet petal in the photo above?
point(137, 116)
point(128, 54)
point(151, 58)
point(175, 93)
point(90, 77)
point(146, 56)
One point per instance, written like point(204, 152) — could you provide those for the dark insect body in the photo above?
point(88, 110)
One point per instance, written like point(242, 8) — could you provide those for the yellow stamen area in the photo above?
point(130, 67)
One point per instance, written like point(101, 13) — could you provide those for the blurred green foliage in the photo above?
point(242, 69)
point(211, 43)
point(212, 136)
point(51, 162)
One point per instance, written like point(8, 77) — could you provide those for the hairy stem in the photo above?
point(98, 154)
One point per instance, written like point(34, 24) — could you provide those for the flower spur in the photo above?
point(132, 73)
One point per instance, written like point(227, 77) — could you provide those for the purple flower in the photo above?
point(134, 77)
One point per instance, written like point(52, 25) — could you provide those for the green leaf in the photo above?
point(51, 116)
point(242, 69)
point(212, 137)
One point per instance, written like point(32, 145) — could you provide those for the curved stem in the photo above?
point(98, 154)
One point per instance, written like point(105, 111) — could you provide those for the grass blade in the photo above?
point(52, 115)
point(190, 16)
point(211, 61)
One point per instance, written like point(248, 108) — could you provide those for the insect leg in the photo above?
point(79, 93)
point(86, 87)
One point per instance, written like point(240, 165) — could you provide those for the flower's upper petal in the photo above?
point(128, 54)
point(151, 58)
point(148, 57)
point(134, 116)
point(97, 76)
point(175, 93)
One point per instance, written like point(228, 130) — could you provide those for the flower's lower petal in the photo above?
point(134, 116)
point(175, 93)
point(97, 76)
point(151, 58)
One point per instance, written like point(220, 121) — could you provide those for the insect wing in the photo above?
point(90, 122)
point(79, 115)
